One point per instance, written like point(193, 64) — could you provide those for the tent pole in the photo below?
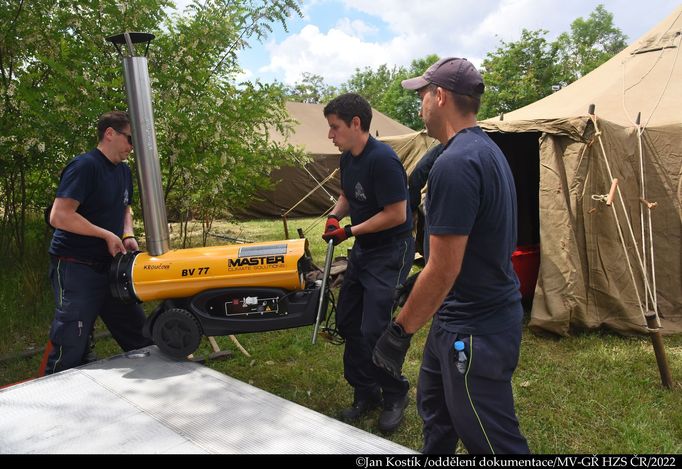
point(651, 317)
point(642, 193)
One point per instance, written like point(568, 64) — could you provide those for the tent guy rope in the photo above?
point(651, 317)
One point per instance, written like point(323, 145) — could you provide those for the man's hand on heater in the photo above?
point(338, 235)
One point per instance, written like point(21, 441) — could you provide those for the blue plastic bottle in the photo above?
point(460, 356)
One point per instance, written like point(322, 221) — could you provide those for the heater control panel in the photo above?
point(249, 305)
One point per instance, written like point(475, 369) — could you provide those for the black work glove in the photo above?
point(403, 290)
point(391, 348)
point(338, 235)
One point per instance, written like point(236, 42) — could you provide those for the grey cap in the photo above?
point(452, 73)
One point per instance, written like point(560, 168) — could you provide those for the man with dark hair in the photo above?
point(374, 194)
point(468, 283)
point(93, 222)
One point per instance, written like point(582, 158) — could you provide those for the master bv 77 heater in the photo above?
point(211, 291)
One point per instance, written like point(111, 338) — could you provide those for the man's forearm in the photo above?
point(77, 224)
point(426, 297)
point(342, 207)
point(128, 222)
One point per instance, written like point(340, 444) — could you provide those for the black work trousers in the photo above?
point(81, 293)
point(364, 311)
point(476, 406)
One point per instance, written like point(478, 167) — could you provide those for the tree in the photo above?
point(311, 89)
point(216, 143)
point(518, 73)
point(382, 89)
point(590, 43)
point(57, 74)
point(401, 104)
point(521, 72)
point(371, 84)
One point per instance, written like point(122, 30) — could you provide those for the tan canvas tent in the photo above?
point(293, 183)
point(584, 279)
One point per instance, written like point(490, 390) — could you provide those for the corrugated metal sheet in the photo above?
point(157, 405)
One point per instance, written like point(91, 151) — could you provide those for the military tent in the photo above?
point(291, 184)
point(565, 157)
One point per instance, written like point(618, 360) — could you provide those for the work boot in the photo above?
point(90, 355)
point(392, 415)
point(361, 406)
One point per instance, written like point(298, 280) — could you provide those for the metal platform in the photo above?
point(156, 405)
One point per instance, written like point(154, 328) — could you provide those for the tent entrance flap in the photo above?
point(523, 154)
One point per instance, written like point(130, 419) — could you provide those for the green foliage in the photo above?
point(26, 303)
point(215, 135)
point(380, 87)
point(58, 74)
point(518, 73)
point(521, 72)
point(371, 84)
point(401, 104)
point(590, 43)
point(311, 89)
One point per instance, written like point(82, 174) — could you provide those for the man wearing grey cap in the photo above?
point(468, 286)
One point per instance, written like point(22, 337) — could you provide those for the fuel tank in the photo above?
point(183, 273)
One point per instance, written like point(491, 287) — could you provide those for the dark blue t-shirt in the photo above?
point(370, 181)
point(471, 192)
point(104, 190)
point(420, 175)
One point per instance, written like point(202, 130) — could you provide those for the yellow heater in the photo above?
point(184, 273)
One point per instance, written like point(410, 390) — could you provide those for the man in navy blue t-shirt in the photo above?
point(374, 194)
point(93, 222)
point(464, 390)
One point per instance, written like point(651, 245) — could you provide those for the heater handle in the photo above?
point(323, 287)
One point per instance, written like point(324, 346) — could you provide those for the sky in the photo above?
point(336, 37)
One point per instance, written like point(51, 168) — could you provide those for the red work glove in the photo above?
point(332, 223)
point(338, 235)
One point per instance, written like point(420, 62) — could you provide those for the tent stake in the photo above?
point(286, 226)
point(659, 350)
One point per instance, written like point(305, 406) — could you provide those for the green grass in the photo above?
point(26, 303)
point(594, 392)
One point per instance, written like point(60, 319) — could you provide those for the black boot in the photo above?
point(361, 406)
point(90, 355)
point(392, 415)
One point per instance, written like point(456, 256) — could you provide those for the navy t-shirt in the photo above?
point(471, 192)
point(104, 190)
point(370, 181)
point(420, 175)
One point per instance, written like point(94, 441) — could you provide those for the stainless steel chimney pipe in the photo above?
point(139, 93)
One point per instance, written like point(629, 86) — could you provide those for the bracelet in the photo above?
point(127, 236)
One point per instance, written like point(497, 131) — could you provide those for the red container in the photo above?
point(526, 261)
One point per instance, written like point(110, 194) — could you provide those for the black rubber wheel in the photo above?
point(177, 333)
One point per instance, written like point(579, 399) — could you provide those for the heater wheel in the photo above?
point(177, 333)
